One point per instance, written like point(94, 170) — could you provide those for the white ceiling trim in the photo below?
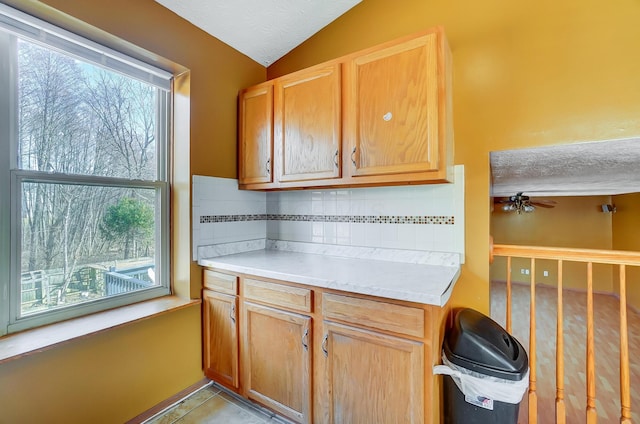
point(264, 30)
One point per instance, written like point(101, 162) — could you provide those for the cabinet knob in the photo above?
point(387, 117)
point(324, 345)
point(305, 339)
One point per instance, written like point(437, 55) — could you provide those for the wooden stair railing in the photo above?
point(533, 396)
point(588, 256)
point(592, 415)
point(561, 414)
point(625, 395)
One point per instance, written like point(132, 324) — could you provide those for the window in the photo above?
point(83, 175)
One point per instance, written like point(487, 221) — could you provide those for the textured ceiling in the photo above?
point(264, 30)
point(580, 169)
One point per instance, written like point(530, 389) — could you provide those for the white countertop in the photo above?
point(425, 283)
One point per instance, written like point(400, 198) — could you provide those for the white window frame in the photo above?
point(21, 25)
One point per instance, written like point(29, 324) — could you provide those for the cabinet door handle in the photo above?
point(353, 156)
point(324, 345)
point(268, 166)
point(335, 159)
point(305, 341)
point(232, 313)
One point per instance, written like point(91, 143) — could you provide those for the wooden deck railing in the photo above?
point(590, 257)
point(119, 282)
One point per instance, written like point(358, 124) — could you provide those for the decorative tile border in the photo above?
point(357, 219)
point(208, 219)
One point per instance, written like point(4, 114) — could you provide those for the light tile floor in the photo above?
point(212, 404)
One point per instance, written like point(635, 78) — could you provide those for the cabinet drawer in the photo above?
point(289, 297)
point(373, 314)
point(218, 281)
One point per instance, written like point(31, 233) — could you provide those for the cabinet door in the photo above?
point(308, 124)
point(276, 360)
point(221, 338)
point(372, 377)
point(393, 109)
point(255, 134)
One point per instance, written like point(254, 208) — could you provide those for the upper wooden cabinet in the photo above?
point(379, 116)
point(307, 130)
point(255, 134)
point(396, 101)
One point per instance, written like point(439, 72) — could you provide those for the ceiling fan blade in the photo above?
point(544, 205)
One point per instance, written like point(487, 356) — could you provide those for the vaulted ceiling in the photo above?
point(264, 30)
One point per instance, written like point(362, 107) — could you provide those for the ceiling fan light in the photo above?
point(508, 207)
point(529, 208)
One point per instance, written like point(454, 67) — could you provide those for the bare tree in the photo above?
point(127, 123)
point(47, 101)
point(78, 119)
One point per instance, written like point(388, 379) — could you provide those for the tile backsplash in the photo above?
point(215, 204)
point(415, 217)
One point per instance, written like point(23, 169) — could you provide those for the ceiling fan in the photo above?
point(521, 203)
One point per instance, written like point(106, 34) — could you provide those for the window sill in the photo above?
point(19, 345)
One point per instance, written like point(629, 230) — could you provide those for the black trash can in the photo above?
point(479, 346)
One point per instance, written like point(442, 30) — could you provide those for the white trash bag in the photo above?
point(482, 390)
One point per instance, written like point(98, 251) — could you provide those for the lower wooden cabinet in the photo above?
point(276, 360)
point(372, 377)
point(221, 337)
point(315, 355)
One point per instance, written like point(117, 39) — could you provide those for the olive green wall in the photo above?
point(573, 222)
point(113, 376)
point(525, 74)
point(626, 236)
point(106, 378)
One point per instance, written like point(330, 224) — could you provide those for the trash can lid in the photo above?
point(478, 343)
